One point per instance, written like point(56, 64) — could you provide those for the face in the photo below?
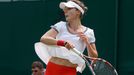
point(71, 13)
point(36, 71)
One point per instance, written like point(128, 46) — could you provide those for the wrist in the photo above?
point(61, 43)
point(87, 43)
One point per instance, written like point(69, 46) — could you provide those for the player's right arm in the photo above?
point(49, 37)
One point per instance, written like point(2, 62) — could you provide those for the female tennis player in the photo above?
point(68, 35)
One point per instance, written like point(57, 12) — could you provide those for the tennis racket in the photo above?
point(97, 66)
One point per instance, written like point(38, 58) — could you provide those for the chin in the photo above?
point(68, 20)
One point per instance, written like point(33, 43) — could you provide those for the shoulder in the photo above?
point(61, 23)
point(59, 26)
point(89, 30)
point(90, 34)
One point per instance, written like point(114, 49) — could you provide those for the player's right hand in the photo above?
point(69, 45)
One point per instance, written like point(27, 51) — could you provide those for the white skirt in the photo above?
point(45, 52)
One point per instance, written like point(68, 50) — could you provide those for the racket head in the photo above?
point(98, 66)
point(103, 67)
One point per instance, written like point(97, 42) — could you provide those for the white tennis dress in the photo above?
point(46, 51)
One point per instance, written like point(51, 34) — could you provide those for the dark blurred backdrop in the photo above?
point(23, 22)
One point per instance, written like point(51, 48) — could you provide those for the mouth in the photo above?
point(66, 16)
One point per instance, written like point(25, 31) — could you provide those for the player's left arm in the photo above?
point(91, 47)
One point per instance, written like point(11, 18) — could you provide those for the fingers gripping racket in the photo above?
point(97, 66)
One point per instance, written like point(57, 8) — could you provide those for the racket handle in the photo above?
point(77, 52)
point(82, 55)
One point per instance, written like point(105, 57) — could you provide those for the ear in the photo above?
point(78, 12)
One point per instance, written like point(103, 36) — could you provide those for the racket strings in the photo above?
point(102, 68)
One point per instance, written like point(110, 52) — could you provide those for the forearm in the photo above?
point(48, 40)
point(92, 52)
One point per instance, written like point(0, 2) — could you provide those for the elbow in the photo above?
point(42, 39)
point(94, 55)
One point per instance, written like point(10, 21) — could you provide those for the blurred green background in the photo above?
point(22, 23)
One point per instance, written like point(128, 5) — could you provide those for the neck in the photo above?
point(75, 24)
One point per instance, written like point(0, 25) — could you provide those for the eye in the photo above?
point(69, 8)
point(66, 8)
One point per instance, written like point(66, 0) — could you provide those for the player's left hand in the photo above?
point(83, 37)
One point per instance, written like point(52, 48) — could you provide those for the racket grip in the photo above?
point(77, 52)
